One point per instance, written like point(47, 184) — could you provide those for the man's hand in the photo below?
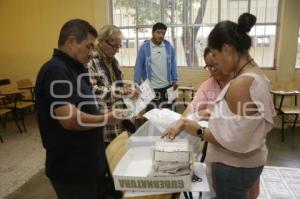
point(175, 85)
point(131, 91)
point(114, 117)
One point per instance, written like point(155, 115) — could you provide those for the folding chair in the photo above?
point(4, 81)
point(14, 102)
point(3, 115)
point(27, 86)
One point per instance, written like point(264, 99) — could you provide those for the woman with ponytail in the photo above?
point(241, 116)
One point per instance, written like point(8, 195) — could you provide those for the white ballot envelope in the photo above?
point(147, 94)
point(161, 119)
point(172, 94)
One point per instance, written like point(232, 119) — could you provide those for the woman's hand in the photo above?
point(172, 131)
point(203, 114)
point(191, 127)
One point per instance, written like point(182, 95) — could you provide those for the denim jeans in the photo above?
point(235, 182)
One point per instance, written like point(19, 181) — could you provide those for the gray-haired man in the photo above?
point(106, 76)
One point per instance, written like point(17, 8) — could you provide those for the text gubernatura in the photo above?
point(152, 184)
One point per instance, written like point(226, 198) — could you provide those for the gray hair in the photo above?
point(108, 31)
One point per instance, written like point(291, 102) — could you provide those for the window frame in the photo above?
point(254, 42)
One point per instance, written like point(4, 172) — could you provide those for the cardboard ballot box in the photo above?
point(197, 186)
point(132, 174)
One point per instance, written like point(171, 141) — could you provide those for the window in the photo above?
point(262, 41)
point(298, 52)
point(189, 24)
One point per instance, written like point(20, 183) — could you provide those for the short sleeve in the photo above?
point(205, 95)
point(199, 101)
point(243, 134)
point(60, 87)
point(240, 134)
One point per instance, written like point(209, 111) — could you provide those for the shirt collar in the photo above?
point(69, 60)
point(153, 45)
point(103, 56)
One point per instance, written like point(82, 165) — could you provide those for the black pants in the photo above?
point(161, 100)
point(103, 188)
point(79, 191)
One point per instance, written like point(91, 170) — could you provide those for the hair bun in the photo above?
point(246, 22)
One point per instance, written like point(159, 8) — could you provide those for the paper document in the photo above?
point(162, 118)
point(147, 94)
point(171, 146)
point(172, 94)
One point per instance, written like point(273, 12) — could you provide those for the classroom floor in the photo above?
point(22, 159)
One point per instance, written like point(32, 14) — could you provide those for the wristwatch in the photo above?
point(200, 132)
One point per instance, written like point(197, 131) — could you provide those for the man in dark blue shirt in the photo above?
point(68, 117)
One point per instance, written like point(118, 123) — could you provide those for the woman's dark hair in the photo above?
point(228, 32)
point(159, 26)
point(206, 51)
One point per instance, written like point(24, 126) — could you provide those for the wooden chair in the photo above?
point(14, 102)
point(187, 94)
point(27, 86)
point(3, 115)
point(289, 115)
point(116, 149)
point(288, 109)
point(4, 81)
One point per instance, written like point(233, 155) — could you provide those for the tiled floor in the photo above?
point(21, 155)
point(22, 160)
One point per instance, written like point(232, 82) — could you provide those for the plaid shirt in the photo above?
point(102, 80)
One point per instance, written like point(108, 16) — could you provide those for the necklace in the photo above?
point(240, 70)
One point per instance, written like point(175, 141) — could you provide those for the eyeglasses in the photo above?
point(210, 67)
point(115, 47)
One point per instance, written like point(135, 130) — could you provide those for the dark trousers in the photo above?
point(103, 188)
point(79, 191)
point(161, 100)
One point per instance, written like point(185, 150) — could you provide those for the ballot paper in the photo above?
point(171, 146)
point(172, 94)
point(146, 95)
point(163, 118)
